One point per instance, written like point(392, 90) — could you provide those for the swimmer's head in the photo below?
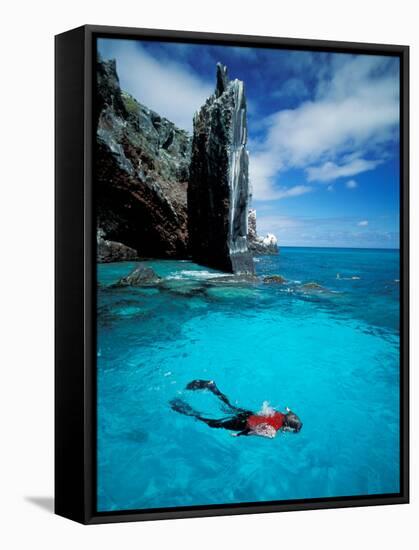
point(292, 423)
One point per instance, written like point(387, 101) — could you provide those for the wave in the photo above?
point(353, 278)
point(192, 274)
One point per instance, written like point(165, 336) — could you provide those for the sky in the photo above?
point(323, 131)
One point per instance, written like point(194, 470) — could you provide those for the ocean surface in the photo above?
point(330, 354)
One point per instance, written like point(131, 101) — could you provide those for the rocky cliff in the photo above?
point(218, 192)
point(142, 171)
point(260, 245)
point(141, 174)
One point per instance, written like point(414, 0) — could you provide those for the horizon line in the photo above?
point(344, 247)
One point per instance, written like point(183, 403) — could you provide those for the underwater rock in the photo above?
point(218, 190)
point(312, 286)
point(278, 279)
point(257, 244)
point(140, 276)
point(142, 170)
point(230, 292)
point(314, 289)
point(111, 251)
point(183, 287)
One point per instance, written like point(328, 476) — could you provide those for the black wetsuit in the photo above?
point(237, 421)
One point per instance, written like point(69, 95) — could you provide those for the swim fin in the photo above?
point(200, 385)
point(182, 407)
point(212, 387)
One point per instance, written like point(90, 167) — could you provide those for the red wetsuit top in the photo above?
point(276, 420)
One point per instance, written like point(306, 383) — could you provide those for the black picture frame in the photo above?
point(75, 279)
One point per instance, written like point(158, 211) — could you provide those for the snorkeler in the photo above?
point(266, 423)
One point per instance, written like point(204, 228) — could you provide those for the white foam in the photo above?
point(192, 274)
point(353, 278)
point(266, 409)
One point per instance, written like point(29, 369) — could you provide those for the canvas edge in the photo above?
point(87, 514)
point(69, 428)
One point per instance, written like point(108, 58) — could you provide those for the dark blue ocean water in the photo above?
point(331, 355)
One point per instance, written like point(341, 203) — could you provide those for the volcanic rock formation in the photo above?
point(218, 191)
point(260, 245)
point(141, 174)
point(111, 251)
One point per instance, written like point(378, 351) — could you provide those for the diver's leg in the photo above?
point(212, 387)
point(181, 407)
point(236, 423)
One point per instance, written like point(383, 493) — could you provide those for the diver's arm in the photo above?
point(265, 430)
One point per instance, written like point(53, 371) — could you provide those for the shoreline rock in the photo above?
point(111, 251)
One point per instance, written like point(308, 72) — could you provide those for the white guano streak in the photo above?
point(236, 152)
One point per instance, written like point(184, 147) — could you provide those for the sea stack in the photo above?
point(218, 190)
point(258, 245)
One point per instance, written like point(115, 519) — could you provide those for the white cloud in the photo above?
point(351, 184)
point(279, 225)
point(354, 113)
point(331, 171)
point(363, 223)
point(339, 133)
point(168, 87)
point(294, 191)
point(263, 169)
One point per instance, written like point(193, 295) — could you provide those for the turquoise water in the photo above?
point(332, 356)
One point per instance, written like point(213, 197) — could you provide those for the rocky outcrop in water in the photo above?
point(141, 172)
point(276, 279)
point(142, 275)
point(218, 192)
point(256, 244)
